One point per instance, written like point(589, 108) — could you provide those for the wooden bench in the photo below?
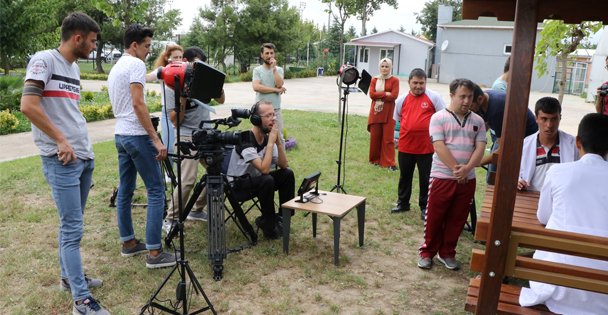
point(528, 233)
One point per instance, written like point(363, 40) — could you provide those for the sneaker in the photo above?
point(449, 263)
point(167, 225)
point(423, 214)
point(161, 261)
point(198, 216)
point(425, 263)
point(89, 306)
point(271, 230)
point(64, 284)
point(393, 168)
point(135, 250)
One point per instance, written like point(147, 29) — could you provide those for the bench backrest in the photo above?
point(574, 244)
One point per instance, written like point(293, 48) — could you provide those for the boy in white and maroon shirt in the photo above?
point(459, 139)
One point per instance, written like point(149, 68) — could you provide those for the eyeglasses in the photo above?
point(269, 115)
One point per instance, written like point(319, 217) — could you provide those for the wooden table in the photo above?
point(336, 206)
point(524, 213)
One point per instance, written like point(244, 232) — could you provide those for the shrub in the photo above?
point(8, 122)
point(246, 77)
point(104, 88)
point(90, 112)
point(88, 96)
point(93, 76)
point(10, 92)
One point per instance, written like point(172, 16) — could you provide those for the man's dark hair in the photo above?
point(549, 105)
point(267, 45)
point(136, 33)
point(505, 69)
point(77, 22)
point(462, 82)
point(194, 52)
point(477, 92)
point(592, 132)
point(418, 73)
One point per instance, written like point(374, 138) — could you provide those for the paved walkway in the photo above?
point(310, 94)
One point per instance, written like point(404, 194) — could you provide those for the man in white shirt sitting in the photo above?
point(574, 199)
point(545, 148)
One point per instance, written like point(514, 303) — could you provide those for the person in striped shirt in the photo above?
point(459, 139)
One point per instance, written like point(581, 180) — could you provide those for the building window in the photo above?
point(507, 50)
point(386, 53)
point(364, 55)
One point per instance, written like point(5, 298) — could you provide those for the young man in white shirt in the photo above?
point(139, 149)
point(574, 199)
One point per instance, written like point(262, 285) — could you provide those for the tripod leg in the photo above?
point(191, 201)
point(216, 234)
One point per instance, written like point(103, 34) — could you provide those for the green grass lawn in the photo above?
point(380, 278)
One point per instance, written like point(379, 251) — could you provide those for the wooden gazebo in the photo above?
point(526, 14)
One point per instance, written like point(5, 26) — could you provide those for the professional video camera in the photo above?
point(209, 144)
point(208, 140)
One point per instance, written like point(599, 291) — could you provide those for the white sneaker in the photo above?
point(198, 216)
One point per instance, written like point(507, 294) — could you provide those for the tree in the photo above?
point(27, 26)
point(263, 21)
point(428, 16)
point(214, 28)
point(117, 14)
point(366, 8)
point(344, 10)
point(560, 40)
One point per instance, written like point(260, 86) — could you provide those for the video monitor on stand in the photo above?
point(309, 183)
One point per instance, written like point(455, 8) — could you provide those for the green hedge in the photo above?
point(10, 92)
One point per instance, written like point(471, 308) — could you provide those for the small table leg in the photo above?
point(361, 222)
point(336, 240)
point(286, 228)
point(314, 225)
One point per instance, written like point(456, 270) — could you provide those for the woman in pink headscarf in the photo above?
point(383, 90)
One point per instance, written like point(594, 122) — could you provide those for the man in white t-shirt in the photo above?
point(139, 149)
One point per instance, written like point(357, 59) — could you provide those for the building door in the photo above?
point(363, 63)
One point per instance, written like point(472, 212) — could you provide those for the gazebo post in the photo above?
point(518, 93)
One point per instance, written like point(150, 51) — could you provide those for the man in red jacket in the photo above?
point(414, 110)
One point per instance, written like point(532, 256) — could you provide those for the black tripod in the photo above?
point(184, 287)
point(339, 187)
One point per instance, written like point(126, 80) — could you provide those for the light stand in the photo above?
point(339, 187)
point(348, 75)
point(182, 291)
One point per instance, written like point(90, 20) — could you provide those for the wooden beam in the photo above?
point(518, 93)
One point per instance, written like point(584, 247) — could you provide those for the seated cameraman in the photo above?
point(190, 118)
point(251, 168)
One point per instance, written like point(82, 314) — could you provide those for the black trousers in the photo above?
point(264, 186)
point(407, 163)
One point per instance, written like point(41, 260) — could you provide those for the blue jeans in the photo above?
point(70, 186)
point(136, 154)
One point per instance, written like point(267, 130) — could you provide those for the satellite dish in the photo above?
point(444, 45)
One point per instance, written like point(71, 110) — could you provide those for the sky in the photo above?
point(313, 10)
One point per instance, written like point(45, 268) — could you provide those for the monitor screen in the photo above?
point(309, 183)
